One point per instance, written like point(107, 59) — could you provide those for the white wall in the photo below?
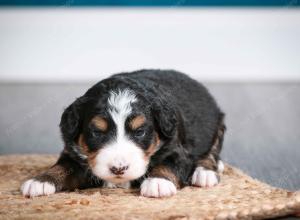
point(85, 44)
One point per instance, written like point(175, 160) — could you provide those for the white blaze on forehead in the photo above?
point(120, 108)
point(121, 151)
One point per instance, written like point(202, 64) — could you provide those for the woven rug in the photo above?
point(238, 196)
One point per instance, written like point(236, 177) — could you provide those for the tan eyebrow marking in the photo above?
point(100, 123)
point(137, 122)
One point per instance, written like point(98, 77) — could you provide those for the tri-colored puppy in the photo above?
point(153, 129)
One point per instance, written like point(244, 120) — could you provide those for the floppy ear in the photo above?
point(164, 114)
point(72, 120)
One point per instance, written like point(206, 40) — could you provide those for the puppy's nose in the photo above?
point(118, 170)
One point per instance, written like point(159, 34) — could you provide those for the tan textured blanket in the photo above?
point(237, 197)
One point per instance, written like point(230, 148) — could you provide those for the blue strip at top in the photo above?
point(150, 3)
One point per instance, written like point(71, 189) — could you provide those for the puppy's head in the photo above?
point(118, 132)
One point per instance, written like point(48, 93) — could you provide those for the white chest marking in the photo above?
point(125, 185)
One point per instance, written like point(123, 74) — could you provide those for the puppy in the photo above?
point(153, 129)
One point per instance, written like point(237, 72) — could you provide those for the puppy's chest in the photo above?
point(111, 185)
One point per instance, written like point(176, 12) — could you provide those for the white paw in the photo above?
point(33, 188)
point(204, 178)
point(157, 187)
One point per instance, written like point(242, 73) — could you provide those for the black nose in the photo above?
point(118, 170)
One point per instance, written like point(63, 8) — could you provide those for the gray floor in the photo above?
point(263, 121)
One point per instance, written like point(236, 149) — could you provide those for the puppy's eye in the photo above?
point(140, 132)
point(96, 133)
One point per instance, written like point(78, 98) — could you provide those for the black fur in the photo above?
point(178, 108)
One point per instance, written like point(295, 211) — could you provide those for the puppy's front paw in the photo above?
point(204, 178)
point(157, 187)
point(34, 187)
